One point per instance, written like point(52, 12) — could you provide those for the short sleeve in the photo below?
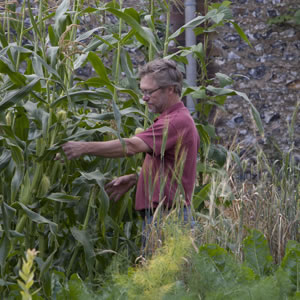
point(160, 137)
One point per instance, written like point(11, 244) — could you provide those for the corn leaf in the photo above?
point(46, 265)
point(145, 35)
point(4, 158)
point(4, 250)
point(63, 198)
point(37, 218)
point(15, 96)
point(60, 16)
point(82, 96)
point(83, 237)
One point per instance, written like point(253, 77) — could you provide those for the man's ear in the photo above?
point(171, 89)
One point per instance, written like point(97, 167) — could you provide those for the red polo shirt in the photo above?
point(174, 141)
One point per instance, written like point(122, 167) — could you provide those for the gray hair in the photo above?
point(164, 72)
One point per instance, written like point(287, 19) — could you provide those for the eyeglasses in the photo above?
point(150, 92)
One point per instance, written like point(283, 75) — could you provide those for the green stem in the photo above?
point(21, 223)
point(42, 241)
point(166, 44)
point(151, 52)
point(90, 206)
point(21, 34)
point(117, 70)
point(150, 57)
point(75, 253)
point(84, 227)
point(7, 19)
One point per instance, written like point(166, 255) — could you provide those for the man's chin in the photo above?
point(151, 109)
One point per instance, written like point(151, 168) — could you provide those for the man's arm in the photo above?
point(109, 149)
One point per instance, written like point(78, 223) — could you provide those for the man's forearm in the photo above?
point(110, 149)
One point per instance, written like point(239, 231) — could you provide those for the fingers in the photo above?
point(58, 157)
point(115, 196)
point(72, 149)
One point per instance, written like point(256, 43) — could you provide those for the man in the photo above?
point(171, 144)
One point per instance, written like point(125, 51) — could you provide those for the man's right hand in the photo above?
point(73, 149)
point(119, 186)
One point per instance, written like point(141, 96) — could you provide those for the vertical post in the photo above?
point(190, 40)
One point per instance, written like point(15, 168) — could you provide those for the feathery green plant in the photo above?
point(27, 274)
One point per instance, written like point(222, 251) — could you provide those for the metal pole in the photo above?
point(190, 40)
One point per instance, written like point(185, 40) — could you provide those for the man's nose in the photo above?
point(146, 98)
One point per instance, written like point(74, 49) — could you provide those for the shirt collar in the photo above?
point(169, 110)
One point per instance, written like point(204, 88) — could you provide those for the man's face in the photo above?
point(156, 97)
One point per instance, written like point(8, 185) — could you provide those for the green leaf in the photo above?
point(218, 154)
point(88, 33)
point(80, 60)
point(21, 124)
point(291, 263)
point(39, 61)
point(18, 158)
point(82, 96)
point(133, 13)
point(83, 133)
point(201, 196)
point(4, 158)
point(4, 250)
point(52, 36)
point(98, 66)
point(145, 33)
point(191, 24)
point(241, 33)
point(224, 79)
point(230, 92)
point(34, 25)
point(85, 240)
point(37, 218)
point(8, 213)
point(52, 52)
point(60, 16)
point(46, 265)
point(296, 17)
point(63, 198)
point(15, 77)
point(99, 178)
point(77, 289)
point(257, 254)
point(128, 70)
point(204, 135)
point(15, 96)
point(3, 39)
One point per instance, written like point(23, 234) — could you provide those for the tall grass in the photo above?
point(253, 191)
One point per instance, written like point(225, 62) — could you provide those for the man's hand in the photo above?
point(73, 149)
point(119, 186)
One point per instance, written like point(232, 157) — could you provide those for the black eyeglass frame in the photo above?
point(150, 92)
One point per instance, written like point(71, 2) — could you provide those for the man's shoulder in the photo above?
point(182, 116)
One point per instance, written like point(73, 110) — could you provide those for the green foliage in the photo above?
point(160, 274)
point(289, 18)
point(209, 273)
point(291, 264)
point(257, 253)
